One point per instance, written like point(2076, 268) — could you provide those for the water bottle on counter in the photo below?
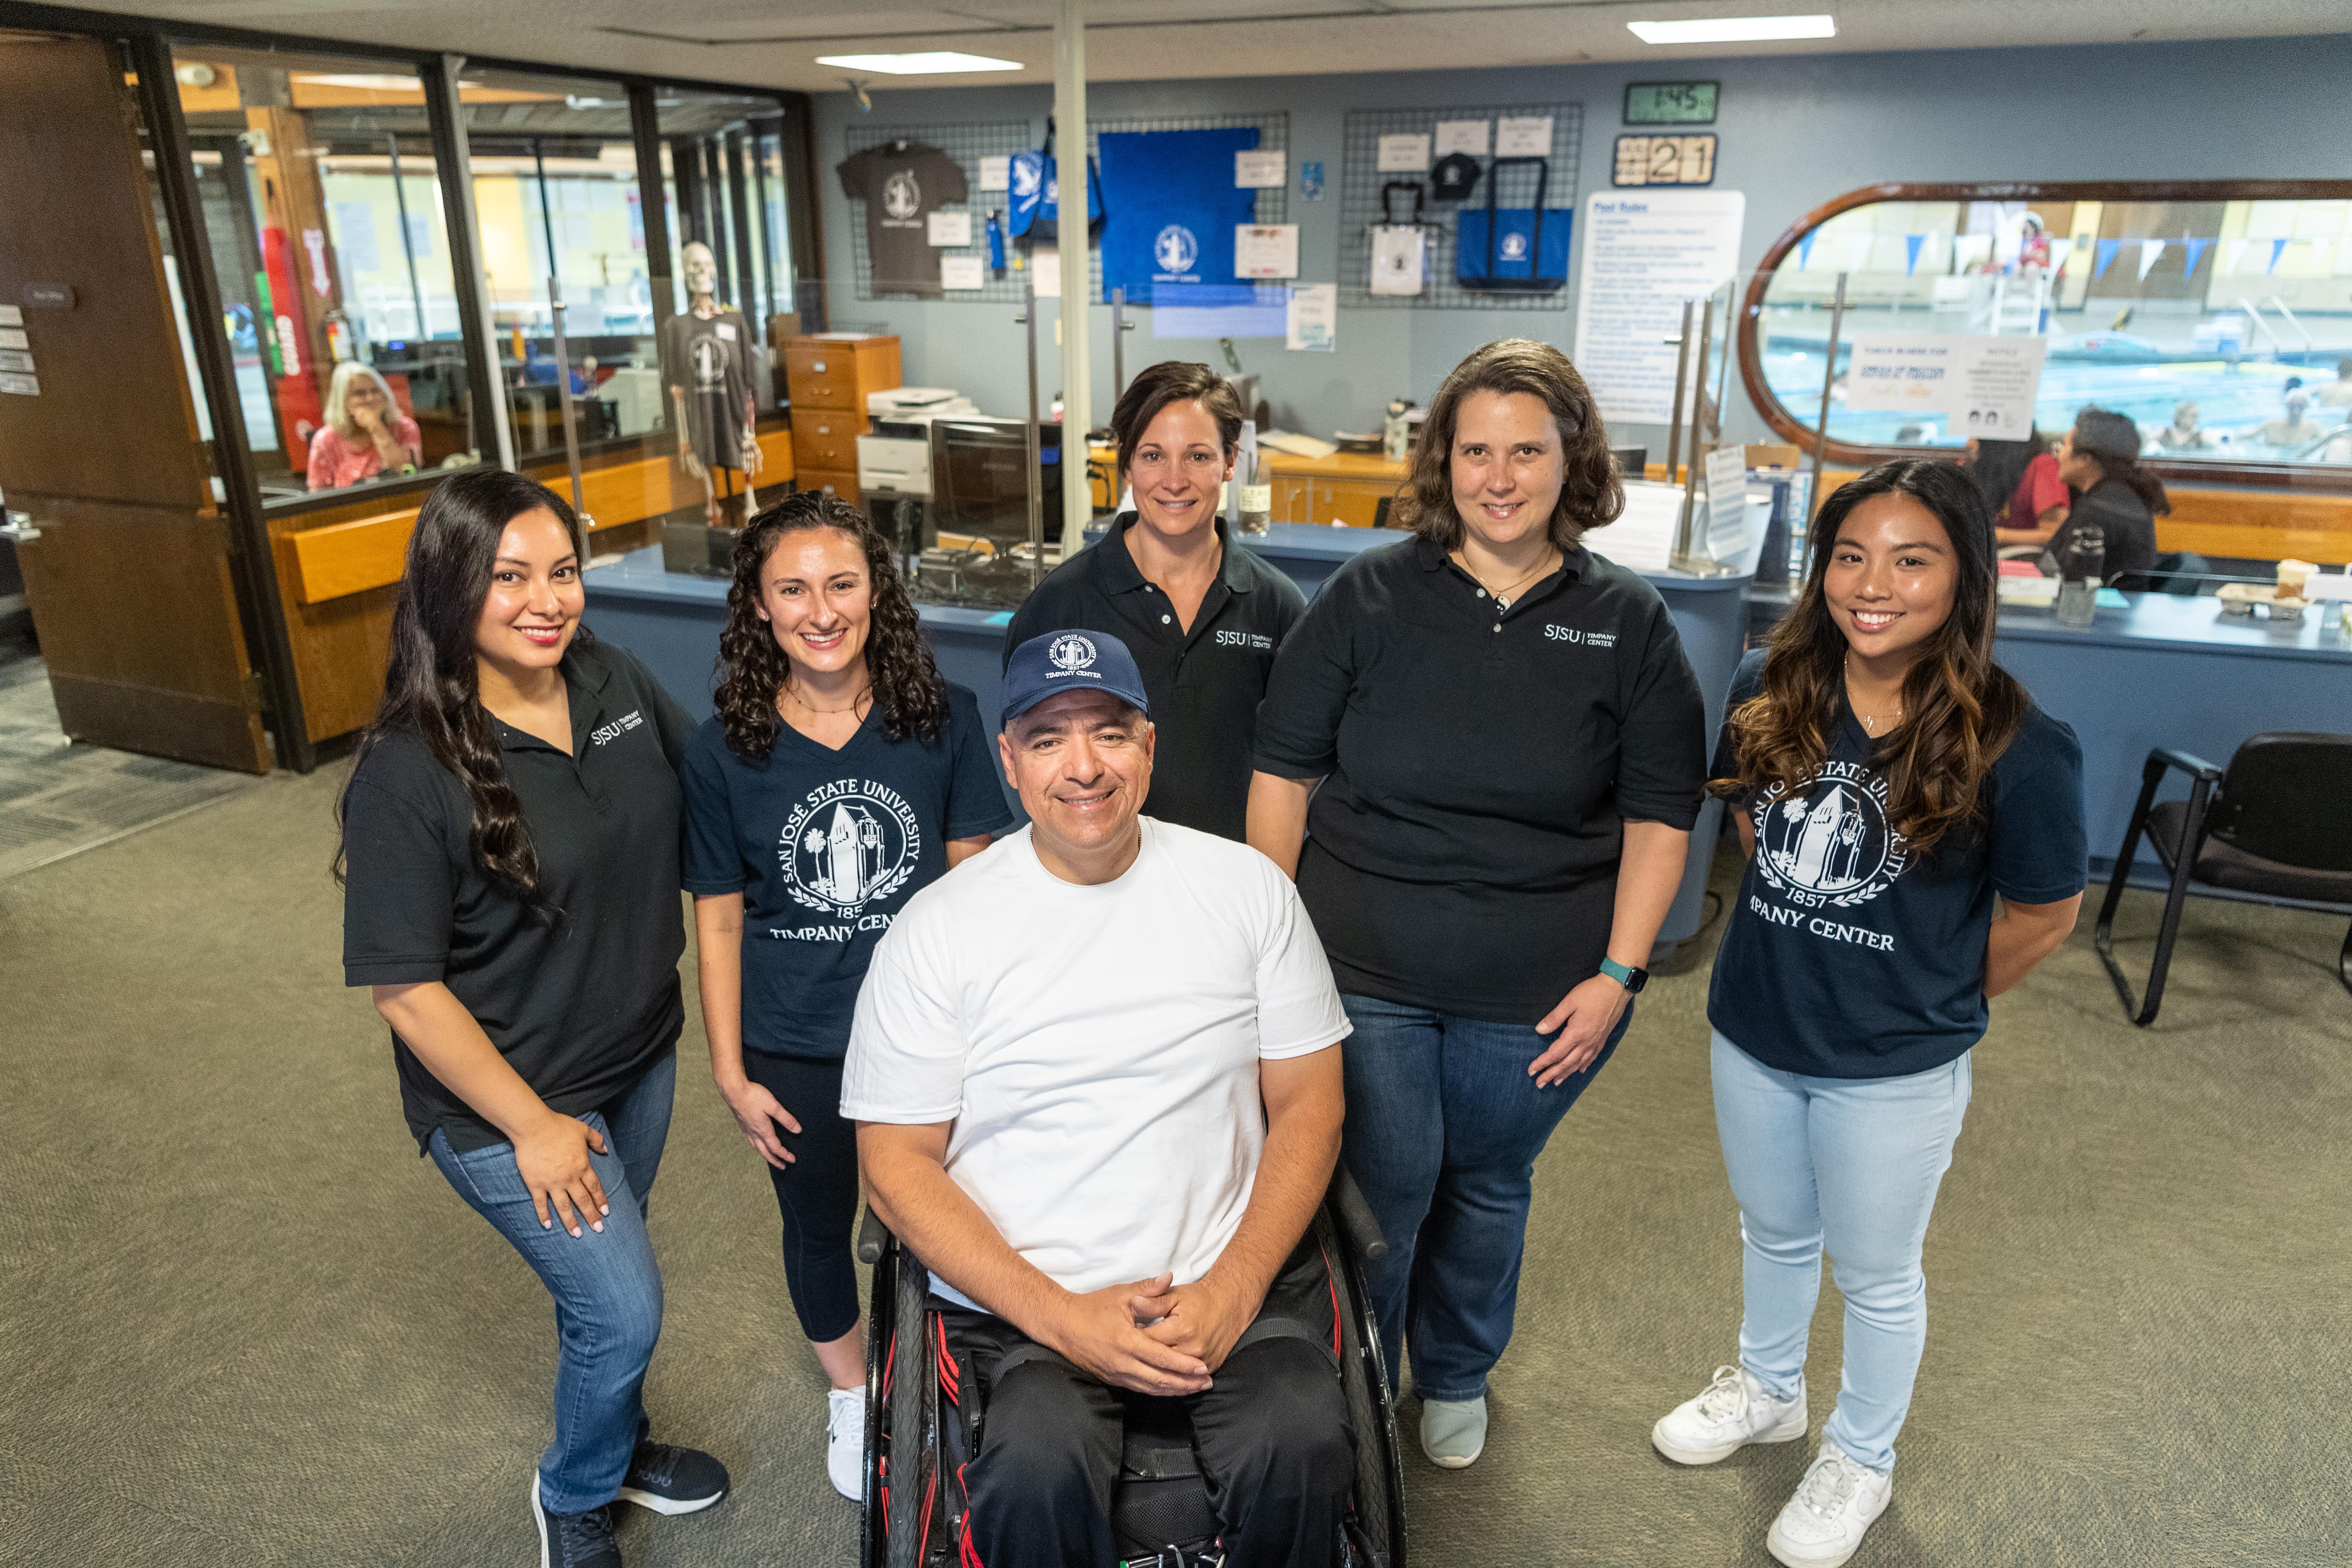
point(1257, 498)
point(2081, 564)
point(1396, 432)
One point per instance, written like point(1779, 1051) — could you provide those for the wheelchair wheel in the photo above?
point(1376, 1527)
point(910, 1458)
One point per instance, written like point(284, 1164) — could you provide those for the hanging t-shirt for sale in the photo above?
point(1849, 955)
point(902, 183)
point(826, 847)
point(1173, 207)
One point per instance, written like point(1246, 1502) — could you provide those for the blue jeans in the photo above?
point(607, 1290)
point(1443, 1131)
point(1852, 1163)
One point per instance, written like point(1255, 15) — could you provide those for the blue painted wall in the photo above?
point(1794, 130)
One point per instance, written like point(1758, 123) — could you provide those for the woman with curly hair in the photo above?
point(1511, 749)
point(1914, 824)
point(840, 775)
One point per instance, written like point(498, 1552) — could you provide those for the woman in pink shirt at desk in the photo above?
point(366, 434)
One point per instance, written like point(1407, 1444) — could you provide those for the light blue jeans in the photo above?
point(1852, 1164)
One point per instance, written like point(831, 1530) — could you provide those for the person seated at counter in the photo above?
point(2293, 431)
point(2116, 501)
point(365, 435)
point(2182, 435)
point(1202, 615)
point(2019, 483)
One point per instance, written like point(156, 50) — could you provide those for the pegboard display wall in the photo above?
point(1360, 203)
point(971, 142)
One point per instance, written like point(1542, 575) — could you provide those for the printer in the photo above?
point(894, 457)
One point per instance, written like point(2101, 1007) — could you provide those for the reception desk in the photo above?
point(672, 622)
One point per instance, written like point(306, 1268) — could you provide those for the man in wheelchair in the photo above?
point(1095, 1075)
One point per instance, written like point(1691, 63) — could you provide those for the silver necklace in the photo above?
point(1500, 602)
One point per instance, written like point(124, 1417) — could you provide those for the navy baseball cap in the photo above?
point(1070, 661)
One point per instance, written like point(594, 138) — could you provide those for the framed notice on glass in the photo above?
point(1665, 160)
point(1670, 102)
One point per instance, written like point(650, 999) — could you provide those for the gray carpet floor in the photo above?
point(242, 1322)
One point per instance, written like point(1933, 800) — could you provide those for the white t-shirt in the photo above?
point(1097, 1048)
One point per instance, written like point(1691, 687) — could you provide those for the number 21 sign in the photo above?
point(1665, 160)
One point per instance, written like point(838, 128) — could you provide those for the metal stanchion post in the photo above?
point(1698, 418)
point(1821, 430)
point(1028, 319)
point(1682, 378)
point(1120, 327)
point(563, 393)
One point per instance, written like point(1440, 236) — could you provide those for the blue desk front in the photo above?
point(672, 622)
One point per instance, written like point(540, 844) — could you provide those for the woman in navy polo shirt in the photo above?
point(1916, 828)
point(840, 775)
point(1511, 749)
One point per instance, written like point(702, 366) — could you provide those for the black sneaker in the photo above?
point(672, 1480)
point(574, 1540)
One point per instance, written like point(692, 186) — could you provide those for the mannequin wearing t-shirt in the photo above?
point(1914, 828)
point(711, 352)
point(840, 777)
point(2021, 482)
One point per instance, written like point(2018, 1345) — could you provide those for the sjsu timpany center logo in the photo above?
point(1070, 653)
point(849, 843)
point(901, 197)
point(1176, 249)
point(1834, 847)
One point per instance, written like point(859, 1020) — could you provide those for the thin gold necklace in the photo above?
point(806, 707)
point(1500, 602)
point(1869, 722)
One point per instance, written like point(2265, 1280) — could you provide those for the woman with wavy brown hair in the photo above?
point(1510, 750)
point(1914, 824)
point(840, 775)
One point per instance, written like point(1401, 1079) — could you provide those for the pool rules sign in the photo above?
point(1978, 386)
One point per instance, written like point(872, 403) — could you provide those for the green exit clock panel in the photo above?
point(1670, 102)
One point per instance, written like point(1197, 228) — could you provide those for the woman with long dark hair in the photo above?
point(1914, 827)
point(840, 775)
point(1510, 749)
point(510, 851)
point(2116, 502)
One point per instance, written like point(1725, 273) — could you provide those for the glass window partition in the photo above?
point(322, 207)
point(723, 184)
point(556, 196)
point(2218, 321)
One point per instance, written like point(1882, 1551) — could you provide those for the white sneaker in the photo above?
point(1834, 1508)
point(844, 1442)
point(1729, 1413)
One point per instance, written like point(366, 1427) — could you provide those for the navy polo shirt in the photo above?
point(1849, 956)
point(1204, 682)
point(580, 1006)
point(1478, 764)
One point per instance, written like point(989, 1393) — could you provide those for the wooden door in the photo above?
point(130, 579)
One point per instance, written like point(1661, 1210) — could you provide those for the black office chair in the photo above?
point(2275, 825)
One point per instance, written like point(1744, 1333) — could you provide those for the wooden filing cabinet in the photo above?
point(828, 379)
point(1344, 487)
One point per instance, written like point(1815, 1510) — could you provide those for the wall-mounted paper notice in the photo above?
point(948, 230)
point(996, 173)
point(1404, 154)
point(1727, 498)
point(963, 272)
point(1046, 268)
point(1523, 136)
point(1462, 136)
point(1266, 250)
point(1261, 171)
point(1314, 318)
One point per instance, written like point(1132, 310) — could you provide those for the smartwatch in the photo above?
point(1633, 980)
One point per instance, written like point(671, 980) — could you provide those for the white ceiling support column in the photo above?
point(1075, 305)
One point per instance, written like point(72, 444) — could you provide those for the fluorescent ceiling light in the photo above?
point(932, 63)
point(1735, 29)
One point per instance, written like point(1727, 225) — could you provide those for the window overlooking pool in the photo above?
point(2217, 317)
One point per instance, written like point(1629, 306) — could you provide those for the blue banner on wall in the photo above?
point(1174, 208)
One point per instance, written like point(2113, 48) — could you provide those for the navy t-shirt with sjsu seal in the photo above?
point(826, 846)
point(1847, 956)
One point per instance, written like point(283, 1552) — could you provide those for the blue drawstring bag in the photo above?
point(1034, 214)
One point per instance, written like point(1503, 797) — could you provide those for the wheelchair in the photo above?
point(1161, 1516)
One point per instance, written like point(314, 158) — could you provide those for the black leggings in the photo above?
point(817, 1192)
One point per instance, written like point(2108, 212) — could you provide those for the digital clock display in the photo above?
point(1670, 102)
